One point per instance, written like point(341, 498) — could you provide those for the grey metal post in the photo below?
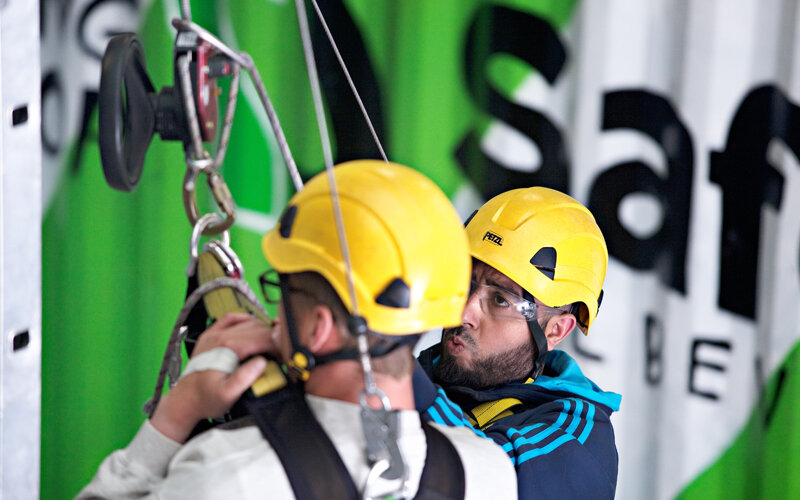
point(20, 249)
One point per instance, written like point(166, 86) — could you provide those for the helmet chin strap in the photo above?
point(302, 360)
point(539, 339)
point(541, 347)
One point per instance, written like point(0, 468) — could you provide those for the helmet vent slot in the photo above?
point(466, 222)
point(397, 294)
point(287, 220)
point(545, 261)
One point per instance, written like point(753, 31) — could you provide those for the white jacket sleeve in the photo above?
point(135, 471)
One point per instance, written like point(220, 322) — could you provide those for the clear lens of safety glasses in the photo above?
point(500, 303)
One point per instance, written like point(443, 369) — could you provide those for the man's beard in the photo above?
point(512, 365)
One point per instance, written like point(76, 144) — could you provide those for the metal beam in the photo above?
point(20, 249)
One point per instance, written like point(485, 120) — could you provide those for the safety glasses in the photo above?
point(502, 304)
point(270, 284)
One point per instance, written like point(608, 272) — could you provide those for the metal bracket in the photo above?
point(20, 249)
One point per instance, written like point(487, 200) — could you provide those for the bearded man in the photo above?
point(539, 262)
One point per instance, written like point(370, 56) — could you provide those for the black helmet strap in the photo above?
point(302, 360)
point(539, 340)
point(301, 365)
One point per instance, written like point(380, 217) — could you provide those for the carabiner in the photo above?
point(194, 244)
point(222, 196)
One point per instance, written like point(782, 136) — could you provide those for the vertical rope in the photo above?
point(313, 77)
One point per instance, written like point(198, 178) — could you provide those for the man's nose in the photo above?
point(472, 311)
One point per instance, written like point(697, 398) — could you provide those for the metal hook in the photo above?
point(198, 229)
point(221, 193)
point(378, 393)
point(380, 428)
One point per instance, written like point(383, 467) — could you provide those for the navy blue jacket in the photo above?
point(560, 438)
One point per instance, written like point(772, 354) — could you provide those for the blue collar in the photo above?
point(569, 378)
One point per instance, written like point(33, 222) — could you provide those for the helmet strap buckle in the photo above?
point(302, 360)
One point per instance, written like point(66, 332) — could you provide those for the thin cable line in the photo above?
point(349, 80)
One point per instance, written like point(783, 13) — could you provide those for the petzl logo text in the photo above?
point(494, 238)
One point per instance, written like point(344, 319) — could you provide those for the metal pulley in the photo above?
point(131, 111)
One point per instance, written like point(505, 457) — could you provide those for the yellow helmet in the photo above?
point(408, 249)
point(546, 242)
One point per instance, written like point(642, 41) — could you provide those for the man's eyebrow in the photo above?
point(495, 283)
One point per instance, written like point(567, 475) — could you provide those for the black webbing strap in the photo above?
point(314, 467)
point(197, 320)
point(311, 462)
point(443, 476)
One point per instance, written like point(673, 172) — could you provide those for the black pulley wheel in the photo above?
point(126, 114)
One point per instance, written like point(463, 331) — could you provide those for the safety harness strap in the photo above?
point(311, 462)
point(313, 465)
point(443, 476)
point(197, 321)
point(485, 414)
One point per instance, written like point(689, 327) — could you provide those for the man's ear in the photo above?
point(325, 333)
point(558, 328)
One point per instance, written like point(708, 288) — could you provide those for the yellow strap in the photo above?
point(223, 300)
point(271, 380)
point(487, 413)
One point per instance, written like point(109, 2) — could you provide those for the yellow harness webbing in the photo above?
point(485, 414)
